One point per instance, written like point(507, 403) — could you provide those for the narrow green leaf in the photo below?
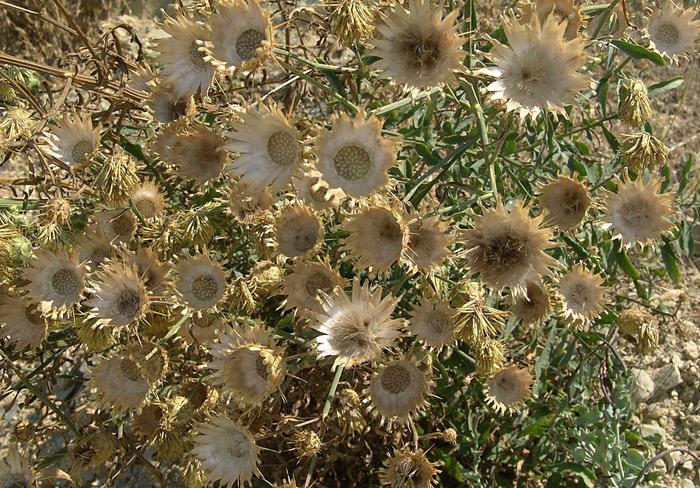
point(425, 153)
point(626, 264)
point(612, 140)
point(670, 263)
point(666, 85)
point(638, 52)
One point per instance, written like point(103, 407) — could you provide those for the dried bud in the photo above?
point(630, 322)
point(643, 150)
point(307, 443)
point(635, 108)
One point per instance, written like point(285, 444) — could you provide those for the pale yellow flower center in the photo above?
point(130, 369)
point(422, 50)
point(316, 282)
point(395, 378)
point(635, 214)
point(146, 207)
point(65, 281)
point(33, 315)
point(80, 150)
point(248, 43)
point(352, 162)
point(205, 288)
point(667, 34)
point(122, 225)
point(128, 303)
point(282, 148)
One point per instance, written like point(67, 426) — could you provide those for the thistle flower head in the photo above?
point(507, 248)
point(119, 296)
point(74, 141)
point(116, 178)
point(57, 281)
point(119, 225)
point(227, 451)
point(672, 31)
point(538, 70)
point(508, 388)
point(269, 148)
point(637, 213)
point(532, 306)
point(488, 356)
point(419, 47)
point(147, 199)
point(314, 192)
point(95, 247)
point(354, 157)
point(356, 329)
point(120, 382)
point(631, 322)
point(22, 322)
point(15, 471)
point(298, 232)
point(352, 20)
point(200, 281)
point(200, 153)
point(408, 469)
point(581, 293)
point(433, 322)
point(378, 237)
point(561, 11)
point(428, 242)
point(246, 205)
point(182, 53)
point(566, 201)
point(302, 286)
point(398, 390)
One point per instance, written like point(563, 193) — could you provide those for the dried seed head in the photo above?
point(635, 107)
point(488, 356)
point(307, 443)
point(642, 150)
point(631, 322)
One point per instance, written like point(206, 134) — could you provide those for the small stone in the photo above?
point(654, 411)
point(650, 430)
point(676, 359)
point(690, 350)
point(660, 466)
point(642, 386)
point(667, 377)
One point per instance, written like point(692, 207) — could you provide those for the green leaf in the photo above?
point(670, 263)
point(335, 82)
point(425, 153)
point(638, 52)
point(612, 140)
point(626, 264)
point(666, 85)
point(545, 356)
point(584, 474)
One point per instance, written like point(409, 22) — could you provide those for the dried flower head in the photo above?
point(119, 296)
point(73, 142)
point(566, 201)
point(537, 71)
point(507, 248)
point(22, 322)
point(532, 306)
point(240, 34)
point(314, 192)
point(635, 107)
point(476, 320)
point(57, 281)
point(15, 471)
point(407, 469)
point(246, 205)
point(186, 67)
point(378, 237)
point(147, 199)
point(200, 153)
point(637, 213)
point(488, 356)
point(118, 226)
point(354, 157)
point(150, 270)
point(356, 330)
point(227, 451)
point(298, 232)
point(642, 150)
point(269, 148)
point(508, 388)
point(428, 242)
point(398, 389)
point(648, 338)
point(307, 443)
point(672, 31)
point(95, 247)
point(561, 11)
point(121, 383)
point(352, 20)
point(116, 178)
point(419, 48)
point(247, 364)
point(433, 322)
point(302, 286)
point(168, 107)
point(201, 328)
point(631, 322)
point(200, 281)
point(89, 451)
point(581, 293)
